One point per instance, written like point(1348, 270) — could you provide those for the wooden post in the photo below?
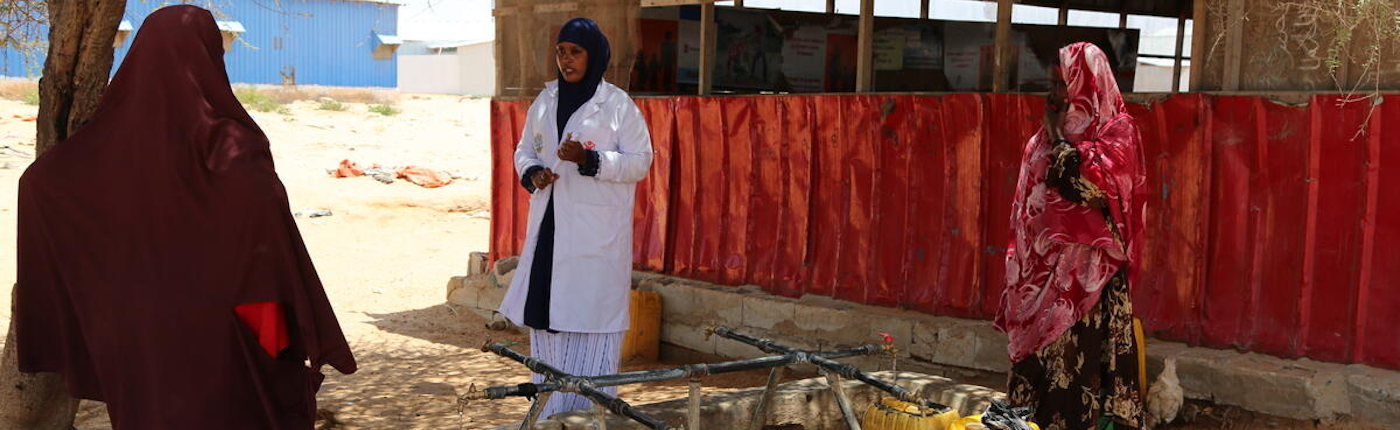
point(865, 63)
point(524, 62)
point(1198, 44)
point(1001, 67)
point(830, 6)
point(1234, 45)
point(923, 9)
point(739, 4)
point(498, 51)
point(1180, 45)
point(707, 47)
point(1064, 13)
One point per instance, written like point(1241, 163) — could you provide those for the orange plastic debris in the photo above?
point(424, 177)
point(348, 169)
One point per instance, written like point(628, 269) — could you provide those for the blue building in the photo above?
point(347, 43)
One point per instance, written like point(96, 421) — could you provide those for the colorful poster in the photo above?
point(804, 59)
point(748, 50)
point(688, 27)
point(840, 62)
point(655, 67)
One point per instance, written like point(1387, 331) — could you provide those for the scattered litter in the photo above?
point(377, 291)
point(348, 169)
point(313, 213)
point(421, 176)
point(424, 177)
point(383, 178)
point(26, 118)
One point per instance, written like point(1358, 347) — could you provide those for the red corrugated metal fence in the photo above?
point(1263, 224)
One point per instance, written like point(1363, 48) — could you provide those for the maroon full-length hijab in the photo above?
point(141, 234)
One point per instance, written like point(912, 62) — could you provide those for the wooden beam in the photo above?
point(923, 9)
point(707, 48)
point(1198, 44)
point(1001, 67)
point(1064, 13)
point(830, 6)
point(1234, 46)
point(865, 42)
point(523, 61)
point(556, 7)
point(543, 8)
point(499, 53)
point(662, 3)
point(1180, 45)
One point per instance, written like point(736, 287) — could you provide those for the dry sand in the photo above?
point(385, 257)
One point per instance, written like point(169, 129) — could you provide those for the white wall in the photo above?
point(478, 66)
point(1152, 78)
point(470, 71)
point(430, 74)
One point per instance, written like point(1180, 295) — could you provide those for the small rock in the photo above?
point(383, 178)
point(506, 265)
point(377, 290)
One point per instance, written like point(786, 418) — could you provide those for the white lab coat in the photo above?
point(592, 276)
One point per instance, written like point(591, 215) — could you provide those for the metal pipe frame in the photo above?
point(558, 381)
point(824, 363)
point(627, 378)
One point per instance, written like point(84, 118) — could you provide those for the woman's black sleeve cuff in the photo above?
point(590, 166)
point(525, 179)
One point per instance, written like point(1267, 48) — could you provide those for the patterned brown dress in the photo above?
point(1091, 371)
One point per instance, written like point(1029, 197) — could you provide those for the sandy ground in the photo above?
point(385, 257)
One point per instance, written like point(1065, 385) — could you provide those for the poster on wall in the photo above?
point(656, 62)
point(804, 59)
point(748, 50)
point(889, 49)
point(688, 43)
point(963, 54)
point(840, 62)
point(923, 48)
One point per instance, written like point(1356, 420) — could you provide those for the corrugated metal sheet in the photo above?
point(314, 42)
point(1267, 230)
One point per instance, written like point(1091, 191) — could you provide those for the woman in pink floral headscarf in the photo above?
point(1077, 225)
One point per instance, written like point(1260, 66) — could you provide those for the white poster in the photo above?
point(962, 54)
point(688, 69)
point(804, 59)
point(889, 49)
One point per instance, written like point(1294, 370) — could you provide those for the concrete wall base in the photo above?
point(971, 350)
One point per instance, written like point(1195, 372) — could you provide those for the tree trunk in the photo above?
point(78, 65)
point(75, 74)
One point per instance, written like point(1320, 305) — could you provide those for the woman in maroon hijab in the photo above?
point(160, 270)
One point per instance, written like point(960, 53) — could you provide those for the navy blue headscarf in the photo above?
point(585, 33)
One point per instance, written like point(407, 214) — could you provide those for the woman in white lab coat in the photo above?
point(583, 149)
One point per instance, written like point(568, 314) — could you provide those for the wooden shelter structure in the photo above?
point(525, 29)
